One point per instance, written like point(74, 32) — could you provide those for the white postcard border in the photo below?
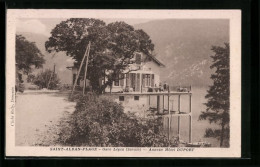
point(235, 81)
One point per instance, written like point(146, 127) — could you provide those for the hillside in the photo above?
point(184, 47)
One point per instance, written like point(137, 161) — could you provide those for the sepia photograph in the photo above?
point(119, 83)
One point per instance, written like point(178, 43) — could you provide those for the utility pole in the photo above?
point(75, 82)
point(86, 69)
point(51, 75)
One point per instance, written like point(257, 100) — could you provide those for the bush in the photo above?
point(47, 79)
point(101, 122)
point(19, 88)
point(30, 78)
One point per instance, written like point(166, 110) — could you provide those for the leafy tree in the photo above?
point(218, 103)
point(72, 37)
point(123, 43)
point(112, 46)
point(47, 78)
point(27, 55)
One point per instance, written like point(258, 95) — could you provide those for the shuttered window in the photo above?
point(143, 80)
point(152, 80)
point(147, 80)
point(137, 82)
point(116, 82)
point(119, 81)
point(127, 79)
point(138, 58)
point(132, 80)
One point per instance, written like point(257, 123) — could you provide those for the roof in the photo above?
point(156, 60)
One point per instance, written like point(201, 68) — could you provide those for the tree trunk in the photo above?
point(95, 84)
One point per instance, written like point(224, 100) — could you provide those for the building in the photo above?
point(139, 77)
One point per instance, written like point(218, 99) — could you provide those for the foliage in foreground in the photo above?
point(218, 96)
point(101, 122)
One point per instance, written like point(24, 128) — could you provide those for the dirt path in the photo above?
point(37, 114)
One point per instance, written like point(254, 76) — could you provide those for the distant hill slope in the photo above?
point(184, 46)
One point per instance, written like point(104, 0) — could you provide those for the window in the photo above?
point(138, 57)
point(147, 80)
point(116, 82)
point(152, 80)
point(121, 98)
point(132, 80)
point(136, 97)
point(143, 79)
point(119, 80)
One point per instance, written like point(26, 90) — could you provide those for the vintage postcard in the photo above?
point(123, 83)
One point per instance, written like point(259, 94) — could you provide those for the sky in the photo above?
point(44, 26)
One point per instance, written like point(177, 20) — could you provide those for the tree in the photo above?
point(124, 42)
point(27, 55)
point(112, 46)
point(218, 103)
point(47, 79)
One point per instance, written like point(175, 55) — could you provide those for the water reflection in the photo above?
point(173, 125)
point(176, 127)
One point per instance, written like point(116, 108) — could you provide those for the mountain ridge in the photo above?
point(184, 45)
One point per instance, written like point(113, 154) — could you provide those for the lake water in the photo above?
point(198, 127)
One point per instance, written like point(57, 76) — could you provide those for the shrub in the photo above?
point(47, 79)
point(101, 122)
point(19, 88)
point(31, 78)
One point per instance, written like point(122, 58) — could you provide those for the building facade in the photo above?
point(138, 77)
